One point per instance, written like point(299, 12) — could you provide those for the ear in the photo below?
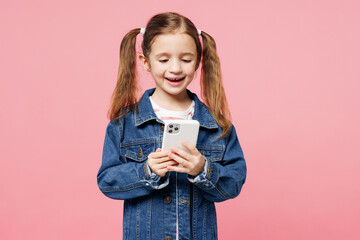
point(144, 62)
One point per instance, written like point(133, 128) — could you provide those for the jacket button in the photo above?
point(161, 127)
point(167, 199)
point(168, 238)
point(140, 153)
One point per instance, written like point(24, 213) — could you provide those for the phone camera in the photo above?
point(170, 131)
point(176, 128)
point(170, 126)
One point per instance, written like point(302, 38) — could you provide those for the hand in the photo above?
point(159, 161)
point(192, 163)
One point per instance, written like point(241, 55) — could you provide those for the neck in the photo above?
point(179, 102)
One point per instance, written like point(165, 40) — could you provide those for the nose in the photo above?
point(175, 67)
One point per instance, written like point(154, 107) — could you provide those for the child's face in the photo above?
point(172, 62)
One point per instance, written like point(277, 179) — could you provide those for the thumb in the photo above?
point(158, 150)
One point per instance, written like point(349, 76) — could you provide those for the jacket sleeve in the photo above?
point(121, 179)
point(224, 179)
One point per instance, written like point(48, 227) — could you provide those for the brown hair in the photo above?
point(124, 97)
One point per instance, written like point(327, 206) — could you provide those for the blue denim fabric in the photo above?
point(152, 203)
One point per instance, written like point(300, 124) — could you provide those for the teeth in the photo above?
point(175, 79)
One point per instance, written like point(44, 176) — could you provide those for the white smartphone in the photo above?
point(176, 131)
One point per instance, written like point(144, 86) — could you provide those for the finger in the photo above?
point(164, 159)
point(161, 169)
point(158, 150)
point(179, 159)
point(167, 163)
point(178, 169)
point(159, 154)
point(181, 153)
point(160, 160)
point(192, 149)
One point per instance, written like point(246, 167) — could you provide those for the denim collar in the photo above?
point(146, 113)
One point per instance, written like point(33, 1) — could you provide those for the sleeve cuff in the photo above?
point(208, 178)
point(151, 179)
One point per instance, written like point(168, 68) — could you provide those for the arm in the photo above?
point(224, 180)
point(121, 179)
point(218, 181)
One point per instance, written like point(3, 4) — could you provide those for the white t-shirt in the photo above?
point(165, 114)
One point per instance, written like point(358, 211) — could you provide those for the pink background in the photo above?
point(291, 73)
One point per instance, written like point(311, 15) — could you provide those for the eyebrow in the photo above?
point(166, 54)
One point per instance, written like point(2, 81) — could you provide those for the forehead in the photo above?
point(173, 44)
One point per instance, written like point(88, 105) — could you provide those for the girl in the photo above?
point(170, 194)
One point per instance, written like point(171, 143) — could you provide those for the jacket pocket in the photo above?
point(212, 153)
point(137, 151)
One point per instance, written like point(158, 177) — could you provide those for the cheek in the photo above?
point(158, 69)
point(190, 69)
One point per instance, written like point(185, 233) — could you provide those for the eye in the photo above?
point(187, 61)
point(163, 60)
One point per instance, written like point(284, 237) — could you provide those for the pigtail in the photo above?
point(124, 97)
point(212, 90)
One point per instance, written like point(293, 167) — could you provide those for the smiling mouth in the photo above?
point(175, 79)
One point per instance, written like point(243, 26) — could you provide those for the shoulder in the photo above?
point(124, 114)
point(114, 127)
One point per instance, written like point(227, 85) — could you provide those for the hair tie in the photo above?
point(142, 31)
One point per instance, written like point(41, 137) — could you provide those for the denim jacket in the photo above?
point(176, 206)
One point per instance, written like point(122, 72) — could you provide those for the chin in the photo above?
point(175, 91)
